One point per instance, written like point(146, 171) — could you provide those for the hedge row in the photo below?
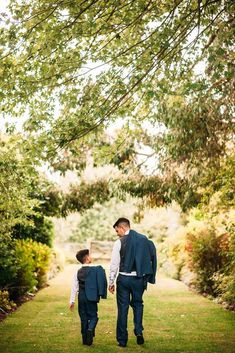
point(23, 268)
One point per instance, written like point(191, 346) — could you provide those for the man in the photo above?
point(134, 257)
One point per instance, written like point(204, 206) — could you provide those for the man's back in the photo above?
point(139, 253)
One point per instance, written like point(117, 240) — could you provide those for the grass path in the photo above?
point(175, 320)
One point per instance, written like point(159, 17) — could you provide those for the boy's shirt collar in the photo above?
point(85, 265)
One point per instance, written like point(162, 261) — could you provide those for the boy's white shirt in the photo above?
point(75, 284)
point(74, 289)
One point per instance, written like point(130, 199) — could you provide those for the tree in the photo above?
point(26, 197)
point(99, 61)
point(16, 177)
point(21, 203)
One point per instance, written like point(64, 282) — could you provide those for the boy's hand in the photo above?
point(71, 307)
point(112, 288)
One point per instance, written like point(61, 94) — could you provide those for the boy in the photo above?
point(90, 282)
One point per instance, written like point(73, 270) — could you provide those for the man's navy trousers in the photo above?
point(130, 291)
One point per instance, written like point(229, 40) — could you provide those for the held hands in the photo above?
point(112, 289)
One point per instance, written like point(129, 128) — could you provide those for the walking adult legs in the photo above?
point(123, 301)
point(137, 290)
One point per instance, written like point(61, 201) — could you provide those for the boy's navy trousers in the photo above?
point(130, 291)
point(88, 312)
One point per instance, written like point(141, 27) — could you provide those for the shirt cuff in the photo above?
point(111, 281)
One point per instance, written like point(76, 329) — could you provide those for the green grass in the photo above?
point(175, 321)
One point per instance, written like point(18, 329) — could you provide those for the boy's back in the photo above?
point(93, 280)
point(81, 276)
point(91, 284)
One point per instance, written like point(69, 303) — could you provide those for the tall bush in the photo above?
point(210, 245)
point(29, 261)
point(225, 280)
point(205, 257)
point(202, 252)
point(41, 255)
point(41, 230)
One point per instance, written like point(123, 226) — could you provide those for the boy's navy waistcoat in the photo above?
point(96, 284)
point(140, 254)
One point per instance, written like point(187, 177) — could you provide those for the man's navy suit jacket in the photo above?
point(96, 284)
point(141, 254)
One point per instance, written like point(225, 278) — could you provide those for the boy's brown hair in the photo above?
point(81, 255)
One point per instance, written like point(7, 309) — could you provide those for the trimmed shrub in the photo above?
point(25, 276)
point(33, 262)
point(29, 262)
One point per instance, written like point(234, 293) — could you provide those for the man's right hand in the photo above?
point(112, 289)
point(71, 306)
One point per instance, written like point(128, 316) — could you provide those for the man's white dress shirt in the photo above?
point(115, 262)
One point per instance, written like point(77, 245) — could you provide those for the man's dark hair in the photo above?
point(81, 255)
point(123, 221)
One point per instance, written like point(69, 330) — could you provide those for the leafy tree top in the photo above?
point(100, 60)
point(74, 67)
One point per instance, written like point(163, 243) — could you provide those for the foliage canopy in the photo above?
point(75, 67)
